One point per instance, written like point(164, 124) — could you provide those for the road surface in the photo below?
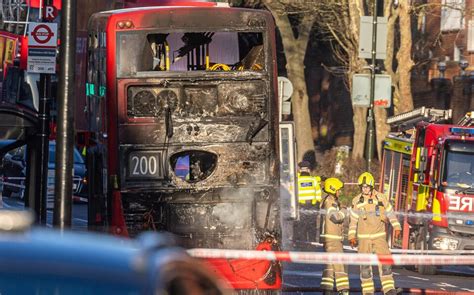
point(79, 212)
point(305, 278)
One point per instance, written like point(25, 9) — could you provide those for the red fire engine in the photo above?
point(427, 172)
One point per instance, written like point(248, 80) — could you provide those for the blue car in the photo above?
point(46, 261)
point(79, 181)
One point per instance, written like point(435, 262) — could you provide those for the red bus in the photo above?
point(182, 110)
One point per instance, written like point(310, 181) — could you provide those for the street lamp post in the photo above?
point(65, 134)
point(370, 137)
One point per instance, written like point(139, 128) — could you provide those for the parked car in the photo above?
point(47, 261)
point(79, 180)
point(14, 170)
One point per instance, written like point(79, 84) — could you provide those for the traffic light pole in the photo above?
point(65, 135)
point(370, 137)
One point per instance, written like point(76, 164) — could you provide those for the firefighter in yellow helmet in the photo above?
point(332, 237)
point(309, 196)
point(369, 214)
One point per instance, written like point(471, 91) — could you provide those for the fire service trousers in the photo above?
point(375, 246)
point(334, 272)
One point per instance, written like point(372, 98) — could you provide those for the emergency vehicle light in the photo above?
point(459, 130)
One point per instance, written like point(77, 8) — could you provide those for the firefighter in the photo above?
point(332, 237)
point(309, 196)
point(369, 214)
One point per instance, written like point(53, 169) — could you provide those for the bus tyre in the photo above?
point(425, 269)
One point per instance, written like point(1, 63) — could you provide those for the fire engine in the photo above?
point(427, 172)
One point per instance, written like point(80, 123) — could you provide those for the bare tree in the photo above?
point(340, 22)
point(337, 24)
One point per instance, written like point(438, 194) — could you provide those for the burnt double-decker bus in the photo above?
point(182, 108)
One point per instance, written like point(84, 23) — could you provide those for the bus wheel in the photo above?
point(425, 269)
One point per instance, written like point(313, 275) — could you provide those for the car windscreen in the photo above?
point(52, 155)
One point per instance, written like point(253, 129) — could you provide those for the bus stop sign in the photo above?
point(42, 43)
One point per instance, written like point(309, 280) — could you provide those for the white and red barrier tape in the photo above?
point(13, 178)
point(421, 215)
point(334, 258)
point(407, 251)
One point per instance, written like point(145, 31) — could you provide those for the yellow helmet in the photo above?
point(332, 185)
point(366, 178)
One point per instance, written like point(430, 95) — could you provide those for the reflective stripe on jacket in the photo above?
point(369, 214)
point(308, 189)
point(333, 222)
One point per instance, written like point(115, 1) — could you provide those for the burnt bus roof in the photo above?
point(198, 17)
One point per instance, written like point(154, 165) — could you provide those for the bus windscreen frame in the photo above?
point(148, 53)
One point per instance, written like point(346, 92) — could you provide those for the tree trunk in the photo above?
point(355, 64)
point(360, 127)
point(295, 50)
point(405, 63)
point(382, 129)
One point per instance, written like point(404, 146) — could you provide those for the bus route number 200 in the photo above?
point(145, 164)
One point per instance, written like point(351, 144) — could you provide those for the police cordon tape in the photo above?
point(422, 215)
point(333, 258)
point(407, 251)
point(12, 178)
point(12, 184)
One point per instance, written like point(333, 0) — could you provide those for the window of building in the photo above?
point(452, 15)
point(470, 36)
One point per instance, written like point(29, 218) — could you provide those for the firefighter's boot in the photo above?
point(327, 282)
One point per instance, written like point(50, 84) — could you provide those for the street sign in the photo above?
point(42, 43)
point(50, 13)
point(43, 35)
point(41, 60)
point(365, 37)
point(360, 93)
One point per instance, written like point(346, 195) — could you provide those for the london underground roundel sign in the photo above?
point(43, 35)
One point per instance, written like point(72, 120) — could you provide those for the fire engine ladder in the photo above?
point(408, 120)
point(467, 120)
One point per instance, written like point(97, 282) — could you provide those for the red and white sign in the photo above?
point(461, 203)
point(43, 35)
point(42, 43)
